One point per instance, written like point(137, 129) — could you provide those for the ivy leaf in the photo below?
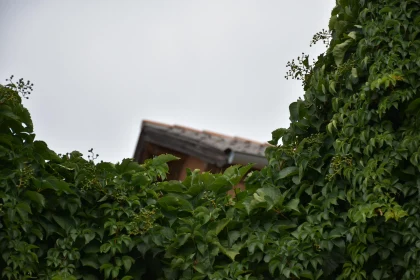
point(307, 274)
point(235, 173)
point(7, 112)
point(41, 149)
point(228, 252)
point(56, 184)
point(414, 106)
point(183, 238)
point(172, 186)
point(233, 236)
point(23, 209)
point(89, 236)
point(107, 267)
point(297, 110)
point(273, 265)
point(220, 184)
point(377, 274)
point(250, 204)
point(64, 222)
point(221, 225)
point(127, 165)
point(293, 204)
point(161, 159)
point(340, 50)
point(127, 262)
point(90, 260)
point(35, 197)
point(140, 179)
point(288, 171)
point(270, 195)
point(175, 203)
point(277, 135)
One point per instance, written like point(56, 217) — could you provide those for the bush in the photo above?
point(338, 200)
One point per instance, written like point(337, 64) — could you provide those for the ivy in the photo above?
point(339, 198)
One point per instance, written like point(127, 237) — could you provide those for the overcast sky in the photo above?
point(101, 67)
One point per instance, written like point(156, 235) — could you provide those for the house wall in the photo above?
point(178, 168)
point(191, 163)
point(241, 186)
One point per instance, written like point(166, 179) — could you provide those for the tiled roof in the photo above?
point(218, 141)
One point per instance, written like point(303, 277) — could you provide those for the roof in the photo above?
point(209, 146)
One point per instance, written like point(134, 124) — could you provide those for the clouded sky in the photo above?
point(101, 67)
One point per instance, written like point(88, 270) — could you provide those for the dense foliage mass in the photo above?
point(338, 200)
point(353, 151)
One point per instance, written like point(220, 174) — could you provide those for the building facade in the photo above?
point(204, 150)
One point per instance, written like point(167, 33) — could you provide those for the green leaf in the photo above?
point(354, 72)
point(56, 184)
point(340, 50)
point(183, 238)
point(288, 171)
point(172, 186)
point(42, 150)
point(140, 179)
point(221, 225)
point(175, 203)
point(377, 274)
point(127, 262)
point(269, 195)
point(89, 236)
point(297, 110)
point(64, 222)
point(90, 260)
point(127, 165)
point(352, 35)
point(307, 274)
point(250, 204)
point(115, 271)
point(6, 111)
point(23, 209)
point(233, 236)
point(277, 135)
point(414, 106)
point(220, 184)
point(36, 197)
point(161, 159)
point(273, 265)
point(293, 204)
point(228, 252)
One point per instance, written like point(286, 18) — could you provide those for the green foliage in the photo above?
point(339, 198)
point(355, 143)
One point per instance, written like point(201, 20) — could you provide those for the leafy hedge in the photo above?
point(338, 200)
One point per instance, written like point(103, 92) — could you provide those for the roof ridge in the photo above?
point(154, 123)
point(205, 132)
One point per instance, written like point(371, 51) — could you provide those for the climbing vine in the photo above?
point(339, 198)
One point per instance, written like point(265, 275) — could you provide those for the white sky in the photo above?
point(101, 67)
